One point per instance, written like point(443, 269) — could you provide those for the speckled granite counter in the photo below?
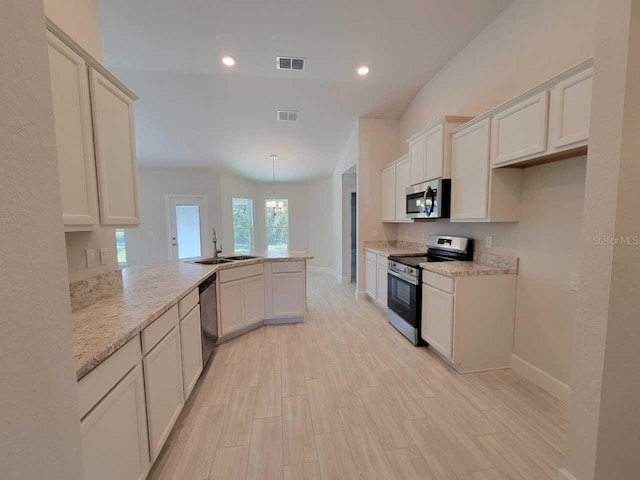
point(105, 322)
point(393, 248)
point(483, 264)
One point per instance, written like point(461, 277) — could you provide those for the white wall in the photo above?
point(346, 162)
point(39, 426)
point(377, 143)
point(149, 242)
point(310, 208)
point(80, 20)
point(528, 43)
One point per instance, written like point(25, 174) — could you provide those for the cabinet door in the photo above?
point(114, 433)
point(74, 135)
point(163, 384)
point(470, 173)
point(417, 157)
point(115, 152)
point(570, 111)
point(434, 152)
point(371, 278)
point(191, 343)
point(231, 306)
point(288, 295)
point(381, 285)
point(437, 320)
point(403, 180)
point(253, 299)
point(389, 194)
point(520, 131)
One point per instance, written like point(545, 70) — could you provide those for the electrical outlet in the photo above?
point(574, 282)
point(91, 257)
point(104, 256)
point(488, 241)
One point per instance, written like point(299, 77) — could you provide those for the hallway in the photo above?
point(344, 396)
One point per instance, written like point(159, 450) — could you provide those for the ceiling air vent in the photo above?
point(288, 115)
point(290, 63)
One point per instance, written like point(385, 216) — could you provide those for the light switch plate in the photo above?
point(488, 241)
point(104, 256)
point(574, 282)
point(91, 257)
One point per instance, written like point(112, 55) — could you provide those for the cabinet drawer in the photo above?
point(232, 274)
point(287, 267)
point(438, 281)
point(383, 261)
point(103, 378)
point(187, 303)
point(372, 257)
point(159, 328)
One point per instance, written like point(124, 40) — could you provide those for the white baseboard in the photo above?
point(563, 474)
point(551, 384)
point(327, 270)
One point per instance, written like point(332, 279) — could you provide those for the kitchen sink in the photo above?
point(211, 261)
point(240, 257)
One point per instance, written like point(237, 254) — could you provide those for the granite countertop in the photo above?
point(119, 313)
point(467, 269)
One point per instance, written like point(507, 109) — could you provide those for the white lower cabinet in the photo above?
point(381, 284)
point(253, 299)
point(191, 343)
point(469, 321)
point(371, 278)
point(114, 433)
point(288, 294)
point(231, 307)
point(437, 323)
point(164, 389)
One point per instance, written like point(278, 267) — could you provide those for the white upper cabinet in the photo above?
point(115, 152)
point(74, 136)
point(389, 193)
point(478, 192)
point(470, 173)
point(417, 157)
point(570, 112)
point(521, 130)
point(403, 179)
point(434, 153)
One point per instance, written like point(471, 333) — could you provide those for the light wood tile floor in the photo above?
point(344, 396)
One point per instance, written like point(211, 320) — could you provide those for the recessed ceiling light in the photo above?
point(228, 60)
point(363, 70)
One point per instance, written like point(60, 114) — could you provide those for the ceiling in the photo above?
point(193, 111)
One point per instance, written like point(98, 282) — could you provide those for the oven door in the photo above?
point(404, 297)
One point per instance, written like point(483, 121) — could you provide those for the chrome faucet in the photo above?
point(215, 245)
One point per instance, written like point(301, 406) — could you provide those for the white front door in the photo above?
point(188, 226)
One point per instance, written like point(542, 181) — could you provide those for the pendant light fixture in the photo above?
point(273, 204)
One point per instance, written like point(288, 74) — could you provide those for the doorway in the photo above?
point(354, 240)
point(187, 226)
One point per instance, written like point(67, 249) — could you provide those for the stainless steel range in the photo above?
point(405, 278)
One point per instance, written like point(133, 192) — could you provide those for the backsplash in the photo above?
point(88, 291)
point(395, 243)
point(500, 261)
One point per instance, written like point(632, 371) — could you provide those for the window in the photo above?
point(242, 225)
point(121, 247)
point(277, 222)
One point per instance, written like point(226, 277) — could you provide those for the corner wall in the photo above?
point(529, 42)
point(39, 422)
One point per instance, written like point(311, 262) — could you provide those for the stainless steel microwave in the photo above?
point(429, 199)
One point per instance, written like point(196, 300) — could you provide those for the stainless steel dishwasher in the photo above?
point(208, 316)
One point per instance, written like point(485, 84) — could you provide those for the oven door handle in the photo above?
point(405, 278)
